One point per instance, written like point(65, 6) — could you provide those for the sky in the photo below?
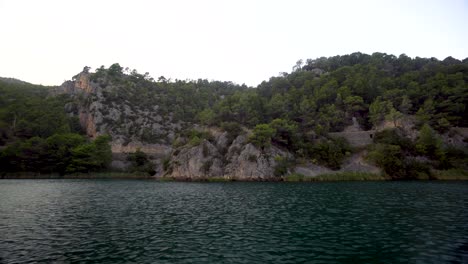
point(243, 41)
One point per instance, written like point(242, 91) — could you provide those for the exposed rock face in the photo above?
point(356, 138)
point(219, 157)
point(81, 85)
point(152, 149)
point(98, 114)
point(355, 163)
point(457, 136)
point(243, 161)
point(87, 122)
point(103, 108)
point(87, 110)
point(311, 170)
point(202, 161)
point(82, 82)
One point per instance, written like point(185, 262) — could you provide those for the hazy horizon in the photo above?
point(47, 42)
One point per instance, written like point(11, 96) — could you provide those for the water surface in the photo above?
point(120, 221)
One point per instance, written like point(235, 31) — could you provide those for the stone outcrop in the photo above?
point(88, 123)
point(83, 82)
point(80, 85)
point(221, 156)
point(202, 161)
point(243, 161)
point(354, 163)
point(104, 107)
point(357, 163)
point(158, 150)
point(311, 170)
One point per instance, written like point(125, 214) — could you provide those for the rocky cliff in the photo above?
point(162, 121)
point(242, 161)
point(115, 108)
point(103, 109)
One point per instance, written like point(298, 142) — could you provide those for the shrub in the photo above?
point(195, 141)
point(139, 162)
point(331, 152)
point(294, 177)
point(262, 135)
point(196, 137)
point(429, 143)
point(282, 165)
point(348, 176)
point(394, 136)
point(416, 170)
point(233, 129)
point(166, 163)
point(389, 158)
point(451, 174)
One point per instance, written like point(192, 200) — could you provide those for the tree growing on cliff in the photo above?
point(394, 116)
point(429, 143)
point(378, 110)
point(261, 136)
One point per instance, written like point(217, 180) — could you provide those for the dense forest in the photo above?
point(37, 135)
point(295, 111)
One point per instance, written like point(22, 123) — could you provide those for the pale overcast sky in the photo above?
point(49, 41)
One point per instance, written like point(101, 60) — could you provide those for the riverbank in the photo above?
point(453, 174)
point(97, 175)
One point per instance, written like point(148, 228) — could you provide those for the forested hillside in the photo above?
point(37, 135)
point(417, 108)
point(323, 94)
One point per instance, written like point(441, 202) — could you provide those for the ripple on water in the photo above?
point(145, 222)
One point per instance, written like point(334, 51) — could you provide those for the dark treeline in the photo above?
point(37, 135)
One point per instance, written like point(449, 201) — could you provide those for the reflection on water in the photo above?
point(99, 221)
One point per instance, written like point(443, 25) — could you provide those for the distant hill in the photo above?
point(13, 81)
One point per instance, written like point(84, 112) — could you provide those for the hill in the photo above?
point(395, 116)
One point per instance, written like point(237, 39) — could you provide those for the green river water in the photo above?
point(142, 221)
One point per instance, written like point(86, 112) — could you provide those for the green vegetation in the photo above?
point(94, 175)
point(37, 135)
point(293, 111)
point(140, 163)
point(296, 110)
point(296, 177)
point(451, 174)
point(341, 176)
point(262, 135)
point(60, 153)
point(283, 164)
point(195, 137)
point(402, 158)
point(350, 176)
point(330, 152)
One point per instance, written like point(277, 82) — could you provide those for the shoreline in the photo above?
point(333, 177)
